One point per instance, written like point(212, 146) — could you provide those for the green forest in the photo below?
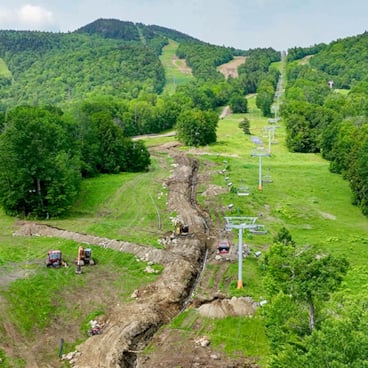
point(72, 104)
point(103, 84)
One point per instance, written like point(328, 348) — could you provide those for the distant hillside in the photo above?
point(52, 68)
point(345, 60)
point(105, 57)
point(112, 28)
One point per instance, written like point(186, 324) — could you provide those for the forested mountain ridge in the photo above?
point(107, 56)
point(53, 68)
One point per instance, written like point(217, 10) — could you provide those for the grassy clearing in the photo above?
point(233, 335)
point(304, 196)
point(48, 285)
point(173, 72)
point(127, 206)
point(4, 71)
point(117, 206)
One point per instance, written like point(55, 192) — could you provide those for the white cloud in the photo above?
point(30, 17)
point(34, 15)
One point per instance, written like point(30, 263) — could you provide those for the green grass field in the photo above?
point(127, 206)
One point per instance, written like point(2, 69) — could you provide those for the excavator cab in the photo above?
point(88, 256)
point(181, 229)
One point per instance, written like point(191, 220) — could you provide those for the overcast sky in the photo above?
point(243, 24)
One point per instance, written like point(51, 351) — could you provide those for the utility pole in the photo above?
point(240, 223)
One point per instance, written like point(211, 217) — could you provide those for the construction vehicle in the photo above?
point(223, 247)
point(180, 228)
point(55, 259)
point(84, 257)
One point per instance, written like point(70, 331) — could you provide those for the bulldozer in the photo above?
point(55, 259)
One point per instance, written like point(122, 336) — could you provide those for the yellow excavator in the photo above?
point(180, 228)
point(84, 258)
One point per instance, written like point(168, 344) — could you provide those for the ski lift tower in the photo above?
point(240, 223)
point(260, 154)
point(271, 135)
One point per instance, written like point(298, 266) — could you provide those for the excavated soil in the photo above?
point(130, 327)
point(230, 69)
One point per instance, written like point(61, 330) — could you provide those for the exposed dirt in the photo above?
point(131, 326)
point(225, 112)
point(231, 68)
point(181, 65)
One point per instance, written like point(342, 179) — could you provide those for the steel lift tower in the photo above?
point(240, 223)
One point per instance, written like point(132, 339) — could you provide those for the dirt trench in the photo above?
point(132, 325)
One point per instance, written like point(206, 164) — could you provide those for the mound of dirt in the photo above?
point(214, 190)
point(181, 349)
point(221, 308)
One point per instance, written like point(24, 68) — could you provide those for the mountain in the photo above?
point(107, 56)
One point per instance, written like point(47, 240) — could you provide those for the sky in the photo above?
point(242, 24)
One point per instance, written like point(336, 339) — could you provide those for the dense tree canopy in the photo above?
point(44, 154)
point(300, 281)
point(39, 165)
point(56, 68)
point(196, 127)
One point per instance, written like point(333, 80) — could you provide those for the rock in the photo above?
point(68, 356)
point(135, 294)
point(202, 341)
point(149, 269)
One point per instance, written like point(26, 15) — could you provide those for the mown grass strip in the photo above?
point(4, 71)
point(174, 76)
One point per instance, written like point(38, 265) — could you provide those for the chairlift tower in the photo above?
point(240, 223)
point(260, 154)
point(271, 135)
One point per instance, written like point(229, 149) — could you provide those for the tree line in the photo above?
point(323, 119)
point(45, 153)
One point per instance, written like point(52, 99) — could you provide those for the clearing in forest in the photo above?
point(231, 68)
point(176, 70)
